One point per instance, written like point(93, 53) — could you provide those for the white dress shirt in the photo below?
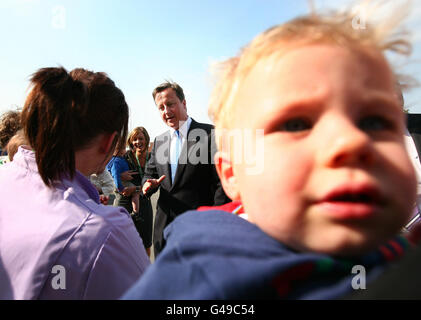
point(183, 130)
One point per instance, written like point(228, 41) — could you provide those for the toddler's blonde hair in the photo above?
point(339, 28)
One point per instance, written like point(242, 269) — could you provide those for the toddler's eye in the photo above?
point(375, 123)
point(295, 125)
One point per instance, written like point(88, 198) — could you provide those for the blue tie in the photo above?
point(174, 158)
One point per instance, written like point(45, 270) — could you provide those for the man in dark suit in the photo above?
point(181, 163)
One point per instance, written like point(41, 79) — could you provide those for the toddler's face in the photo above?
point(336, 177)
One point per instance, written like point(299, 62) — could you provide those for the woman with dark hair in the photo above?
point(57, 240)
point(136, 158)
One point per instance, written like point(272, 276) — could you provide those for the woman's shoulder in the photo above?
point(98, 220)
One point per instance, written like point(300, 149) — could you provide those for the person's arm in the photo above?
point(102, 258)
point(151, 185)
point(150, 178)
point(129, 191)
point(128, 175)
point(116, 169)
point(120, 262)
point(96, 182)
point(108, 185)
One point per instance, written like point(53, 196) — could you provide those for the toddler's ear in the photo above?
point(224, 167)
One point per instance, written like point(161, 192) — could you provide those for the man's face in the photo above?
point(172, 110)
point(337, 178)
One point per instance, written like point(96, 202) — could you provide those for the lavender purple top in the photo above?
point(61, 243)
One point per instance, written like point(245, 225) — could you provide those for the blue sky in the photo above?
point(142, 43)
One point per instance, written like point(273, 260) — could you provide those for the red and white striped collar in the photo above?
point(235, 207)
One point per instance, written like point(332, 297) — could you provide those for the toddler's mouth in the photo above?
point(353, 193)
point(353, 197)
point(351, 201)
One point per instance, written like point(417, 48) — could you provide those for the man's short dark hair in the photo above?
point(169, 84)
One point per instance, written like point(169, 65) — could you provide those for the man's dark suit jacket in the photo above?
point(414, 128)
point(196, 182)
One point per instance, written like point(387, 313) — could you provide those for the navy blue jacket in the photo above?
point(218, 255)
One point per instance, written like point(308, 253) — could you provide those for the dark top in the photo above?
point(133, 165)
point(143, 222)
point(414, 128)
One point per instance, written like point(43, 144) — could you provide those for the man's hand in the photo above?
point(152, 184)
point(127, 175)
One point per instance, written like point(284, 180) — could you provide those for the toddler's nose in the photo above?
point(348, 145)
